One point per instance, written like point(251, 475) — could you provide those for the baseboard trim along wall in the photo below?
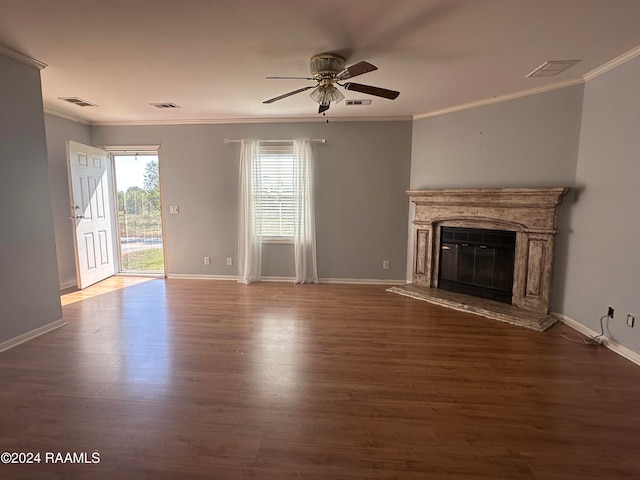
point(25, 337)
point(607, 342)
point(188, 276)
point(363, 281)
point(349, 281)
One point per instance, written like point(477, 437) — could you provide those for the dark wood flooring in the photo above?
point(188, 379)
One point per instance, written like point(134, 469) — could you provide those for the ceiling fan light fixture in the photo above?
point(328, 70)
point(325, 94)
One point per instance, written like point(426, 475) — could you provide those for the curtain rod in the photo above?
point(321, 140)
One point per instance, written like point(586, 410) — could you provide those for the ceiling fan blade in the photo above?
point(280, 97)
point(356, 69)
point(289, 78)
point(377, 91)
point(323, 108)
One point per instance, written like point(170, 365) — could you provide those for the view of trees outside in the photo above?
point(139, 220)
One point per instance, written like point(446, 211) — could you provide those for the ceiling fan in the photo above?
point(328, 70)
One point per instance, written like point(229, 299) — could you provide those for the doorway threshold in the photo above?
point(141, 274)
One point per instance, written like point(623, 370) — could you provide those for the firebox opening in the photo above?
point(477, 262)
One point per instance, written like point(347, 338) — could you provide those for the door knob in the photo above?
point(73, 217)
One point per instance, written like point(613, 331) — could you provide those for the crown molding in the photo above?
point(66, 116)
point(616, 62)
point(219, 121)
point(32, 62)
point(501, 98)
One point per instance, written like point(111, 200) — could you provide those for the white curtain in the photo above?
point(249, 223)
point(305, 224)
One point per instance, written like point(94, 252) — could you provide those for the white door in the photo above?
point(90, 185)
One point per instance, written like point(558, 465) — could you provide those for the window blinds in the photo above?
point(274, 194)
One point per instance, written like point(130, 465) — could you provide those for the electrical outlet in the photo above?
point(385, 264)
point(610, 312)
point(631, 320)
point(207, 260)
point(229, 261)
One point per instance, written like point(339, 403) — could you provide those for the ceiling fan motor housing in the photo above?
point(326, 65)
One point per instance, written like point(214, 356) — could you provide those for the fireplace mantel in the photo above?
point(530, 212)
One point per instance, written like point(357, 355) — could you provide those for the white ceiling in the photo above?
point(210, 57)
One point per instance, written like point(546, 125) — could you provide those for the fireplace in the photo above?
point(524, 219)
point(477, 262)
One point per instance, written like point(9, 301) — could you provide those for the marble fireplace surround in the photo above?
point(530, 212)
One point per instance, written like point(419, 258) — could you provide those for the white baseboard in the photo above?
point(343, 281)
point(188, 276)
point(348, 281)
point(12, 342)
point(607, 342)
point(363, 281)
point(230, 278)
point(278, 279)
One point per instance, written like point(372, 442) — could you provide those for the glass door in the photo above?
point(137, 179)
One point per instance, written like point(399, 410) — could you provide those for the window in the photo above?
point(274, 191)
point(276, 204)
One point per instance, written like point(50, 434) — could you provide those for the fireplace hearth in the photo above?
point(446, 249)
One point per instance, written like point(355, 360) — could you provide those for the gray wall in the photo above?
point(59, 130)
point(526, 142)
point(29, 295)
point(361, 174)
point(603, 265)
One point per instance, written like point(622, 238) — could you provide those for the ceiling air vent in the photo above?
point(165, 105)
point(77, 101)
point(358, 102)
point(552, 68)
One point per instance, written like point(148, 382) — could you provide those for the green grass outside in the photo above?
point(150, 260)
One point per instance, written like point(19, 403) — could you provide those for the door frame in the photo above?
point(113, 150)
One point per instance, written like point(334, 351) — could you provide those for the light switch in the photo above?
point(174, 209)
